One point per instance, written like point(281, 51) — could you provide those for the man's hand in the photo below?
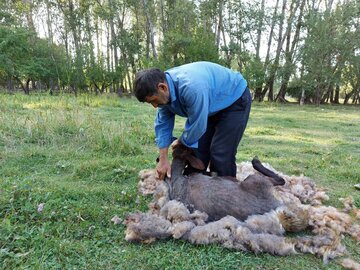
point(163, 168)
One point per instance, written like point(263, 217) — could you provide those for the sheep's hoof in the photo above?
point(357, 186)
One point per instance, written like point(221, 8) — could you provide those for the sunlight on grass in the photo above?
point(35, 105)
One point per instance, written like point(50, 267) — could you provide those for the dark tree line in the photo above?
point(305, 49)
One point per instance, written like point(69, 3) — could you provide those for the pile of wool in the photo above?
point(148, 182)
point(259, 233)
point(297, 189)
point(175, 220)
point(349, 207)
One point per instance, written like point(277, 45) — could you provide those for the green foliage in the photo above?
point(99, 78)
point(330, 45)
point(254, 71)
point(102, 43)
point(186, 39)
point(202, 48)
point(25, 57)
point(14, 50)
point(178, 49)
point(80, 157)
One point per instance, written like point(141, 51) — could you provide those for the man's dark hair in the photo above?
point(146, 82)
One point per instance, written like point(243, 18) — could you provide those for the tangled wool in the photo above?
point(349, 206)
point(302, 206)
point(148, 182)
point(297, 189)
point(176, 220)
point(350, 264)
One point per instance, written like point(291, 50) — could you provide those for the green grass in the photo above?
point(81, 156)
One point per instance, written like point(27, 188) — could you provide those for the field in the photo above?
point(80, 158)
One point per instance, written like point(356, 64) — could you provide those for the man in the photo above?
point(216, 102)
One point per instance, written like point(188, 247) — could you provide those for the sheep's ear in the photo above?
point(275, 179)
point(195, 162)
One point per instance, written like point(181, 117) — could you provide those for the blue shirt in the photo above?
point(197, 91)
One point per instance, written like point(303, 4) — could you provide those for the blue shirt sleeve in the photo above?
point(197, 106)
point(164, 125)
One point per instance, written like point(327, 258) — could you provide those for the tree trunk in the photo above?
point(150, 29)
point(259, 30)
point(71, 17)
point(10, 84)
point(258, 88)
point(347, 97)
point(108, 56)
point(220, 22)
point(258, 93)
point(27, 87)
point(98, 39)
point(289, 51)
point(163, 20)
point(113, 37)
point(29, 14)
point(319, 90)
point(302, 98)
point(274, 67)
point(49, 22)
point(337, 94)
point(90, 43)
point(23, 87)
point(267, 58)
point(271, 34)
point(327, 95)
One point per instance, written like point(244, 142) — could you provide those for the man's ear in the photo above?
point(163, 87)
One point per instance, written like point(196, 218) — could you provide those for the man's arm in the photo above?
point(197, 104)
point(164, 125)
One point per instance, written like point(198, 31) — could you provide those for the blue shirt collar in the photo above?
point(171, 87)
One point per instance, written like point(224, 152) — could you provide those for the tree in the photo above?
point(98, 45)
point(26, 58)
point(327, 60)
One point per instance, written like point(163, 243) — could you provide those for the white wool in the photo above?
point(180, 229)
point(350, 264)
point(266, 223)
point(148, 182)
point(175, 212)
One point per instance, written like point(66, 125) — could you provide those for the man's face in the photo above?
point(161, 98)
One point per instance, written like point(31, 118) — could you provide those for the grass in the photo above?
point(81, 156)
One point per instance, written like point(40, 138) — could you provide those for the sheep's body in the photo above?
point(220, 196)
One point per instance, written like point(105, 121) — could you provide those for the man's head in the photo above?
point(150, 86)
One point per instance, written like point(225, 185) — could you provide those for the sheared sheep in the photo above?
point(300, 205)
point(221, 196)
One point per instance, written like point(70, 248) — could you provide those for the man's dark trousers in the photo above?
point(218, 145)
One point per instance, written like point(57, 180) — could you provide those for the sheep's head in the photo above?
point(182, 152)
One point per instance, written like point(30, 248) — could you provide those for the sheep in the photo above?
point(299, 206)
point(221, 196)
